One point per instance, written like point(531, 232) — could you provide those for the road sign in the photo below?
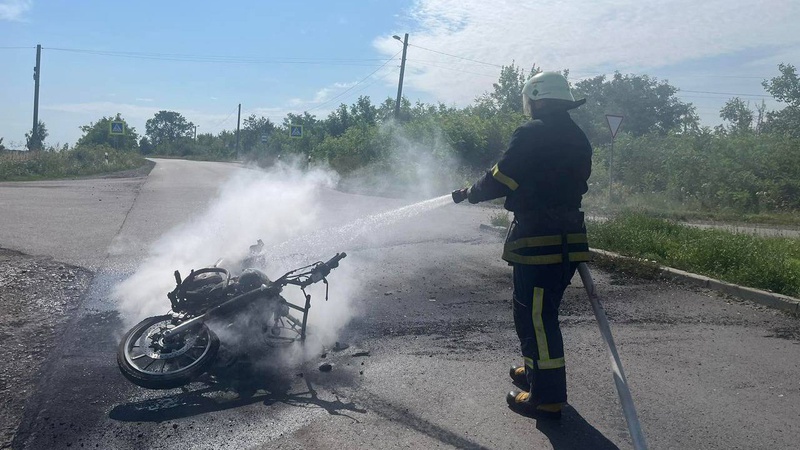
point(614, 123)
point(117, 128)
point(264, 138)
point(296, 131)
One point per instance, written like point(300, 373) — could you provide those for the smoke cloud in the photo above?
point(282, 206)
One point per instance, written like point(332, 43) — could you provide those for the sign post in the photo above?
point(116, 128)
point(295, 131)
point(614, 122)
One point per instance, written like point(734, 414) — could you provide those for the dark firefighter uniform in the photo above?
point(543, 176)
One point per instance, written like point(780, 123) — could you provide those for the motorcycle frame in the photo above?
point(250, 295)
point(301, 277)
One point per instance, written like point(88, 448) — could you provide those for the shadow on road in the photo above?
point(408, 419)
point(574, 432)
point(229, 389)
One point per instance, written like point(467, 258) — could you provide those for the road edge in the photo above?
point(765, 298)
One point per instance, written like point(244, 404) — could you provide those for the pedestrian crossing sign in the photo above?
point(296, 131)
point(117, 128)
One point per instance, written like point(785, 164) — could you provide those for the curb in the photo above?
point(768, 299)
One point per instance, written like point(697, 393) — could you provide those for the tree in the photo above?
point(506, 96)
point(338, 121)
point(254, 127)
point(97, 133)
point(35, 141)
point(363, 111)
point(739, 114)
point(786, 89)
point(145, 147)
point(2, 147)
point(649, 106)
point(167, 126)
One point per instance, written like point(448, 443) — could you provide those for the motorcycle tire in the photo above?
point(145, 360)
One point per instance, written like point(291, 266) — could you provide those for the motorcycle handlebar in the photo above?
point(320, 271)
point(334, 262)
point(325, 268)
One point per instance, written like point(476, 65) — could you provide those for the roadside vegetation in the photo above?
point(95, 152)
point(664, 161)
point(75, 162)
point(770, 263)
point(666, 166)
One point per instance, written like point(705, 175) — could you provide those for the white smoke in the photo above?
point(282, 206)
point(273, 206)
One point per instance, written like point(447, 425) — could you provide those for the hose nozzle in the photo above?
point(459, 195)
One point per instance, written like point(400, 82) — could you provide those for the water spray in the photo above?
point(625, 398)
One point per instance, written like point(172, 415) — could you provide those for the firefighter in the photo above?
point(542, 175)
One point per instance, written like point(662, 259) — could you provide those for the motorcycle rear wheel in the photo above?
point(146, 359)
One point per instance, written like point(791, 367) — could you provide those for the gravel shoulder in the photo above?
point(37, 297)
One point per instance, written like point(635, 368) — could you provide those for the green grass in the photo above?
point(770, 263)
point(81, 161)
point(660, 205)
point(500, 218)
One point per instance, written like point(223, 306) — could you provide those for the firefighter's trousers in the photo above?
point(537, 296)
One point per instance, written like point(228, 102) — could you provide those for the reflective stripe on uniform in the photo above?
point(544, 362)
point(528, 362)
point(555, 363)
point(545, 259)
point(545, 241)
point(503, 178)
point(538, 325)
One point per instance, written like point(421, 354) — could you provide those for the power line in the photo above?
point(225, 119)
point(453, 69)
point(456, 56)
point(363, 88)
point(708, 97)
point(725, 93)
point(17, 48)
point(353, 86)
point(223, 58)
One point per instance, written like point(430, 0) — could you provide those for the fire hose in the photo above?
point(625, 398)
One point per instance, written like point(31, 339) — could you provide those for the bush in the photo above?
point(79, 161)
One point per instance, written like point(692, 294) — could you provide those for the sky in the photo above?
point(203, 57)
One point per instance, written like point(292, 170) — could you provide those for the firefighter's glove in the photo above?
point(459, 195)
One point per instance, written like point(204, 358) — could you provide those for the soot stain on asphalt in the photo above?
point(37, 297)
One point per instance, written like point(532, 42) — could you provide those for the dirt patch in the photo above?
point(37, 296)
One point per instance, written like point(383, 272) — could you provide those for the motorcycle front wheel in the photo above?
point(149, 360)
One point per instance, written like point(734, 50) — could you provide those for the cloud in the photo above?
point(141, 99)
point(14, 10)
point(589, 37)
point(323, 95)
point(105, 108)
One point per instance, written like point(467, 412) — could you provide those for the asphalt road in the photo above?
point(430, 302)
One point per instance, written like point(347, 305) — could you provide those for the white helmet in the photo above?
point(549, 85)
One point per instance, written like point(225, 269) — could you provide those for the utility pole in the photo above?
point(195, 132)
point(238, 120)
point(402, 70)
point(36, 75)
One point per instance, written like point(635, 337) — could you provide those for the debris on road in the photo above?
point(340, 346)
point(361, 353)
point(325, 367)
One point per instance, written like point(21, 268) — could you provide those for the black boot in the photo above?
point(520, 403)
point(517, 374)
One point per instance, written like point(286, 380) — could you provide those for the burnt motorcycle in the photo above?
point(171, 350)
